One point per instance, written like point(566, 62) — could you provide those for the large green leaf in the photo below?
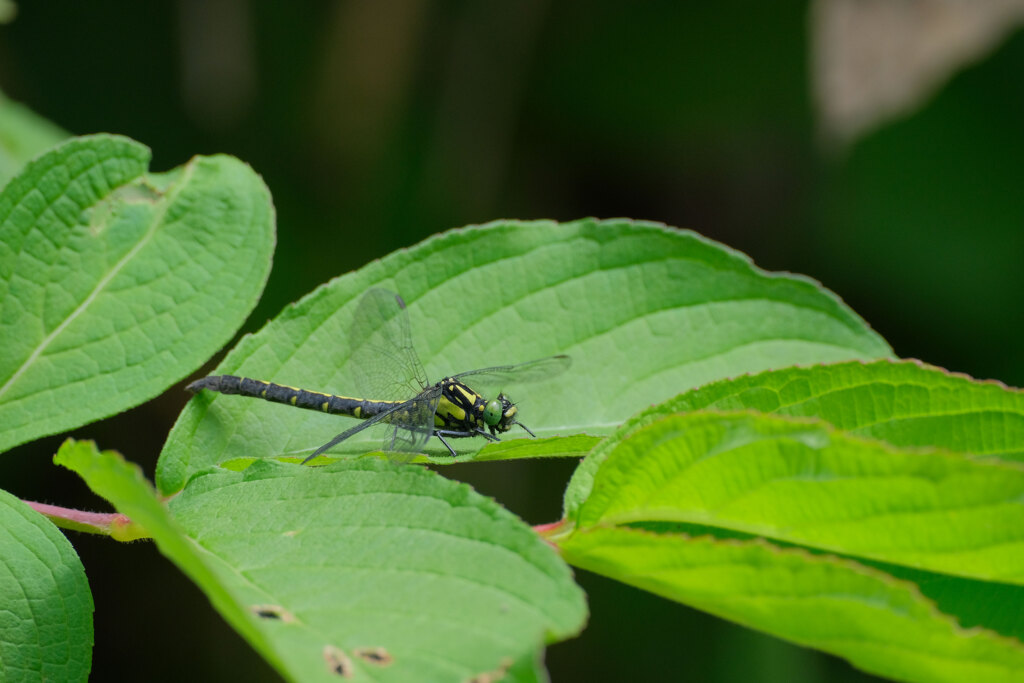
point(929, 539)
point(390, 572)
point(115, 283)
point(645, 312)
point(906, 403)
point(805, 483)
point(45, 603)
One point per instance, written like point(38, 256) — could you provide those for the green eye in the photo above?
point(492, 413)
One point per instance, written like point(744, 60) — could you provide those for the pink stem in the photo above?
point(543, 529)
point(113, 524)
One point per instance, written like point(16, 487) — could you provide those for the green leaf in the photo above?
point(906, 403)
point(23, 135)
point(795, 515)
point(114, 284)
point(805, 483)
point(878, 622)
point(45, 603)
point(566, 447)
point(390, 570)
point(644, 311)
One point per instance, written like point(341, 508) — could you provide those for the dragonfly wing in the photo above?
point(411, 422)
point(383, 360)
point(491, 380)
point(345, 434)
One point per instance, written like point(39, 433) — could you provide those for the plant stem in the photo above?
point(553, 531)
point(112, 524)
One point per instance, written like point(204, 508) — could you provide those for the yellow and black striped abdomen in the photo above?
point(300, 398)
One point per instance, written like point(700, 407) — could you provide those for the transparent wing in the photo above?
point(490, 380)
point(383, 361)
point(411, 425)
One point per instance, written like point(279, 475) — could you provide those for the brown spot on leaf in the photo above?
point(338, 662)
point(374, 655)
point(272, 612)
point(494, 675)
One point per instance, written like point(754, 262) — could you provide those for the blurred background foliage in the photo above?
point(876, 146)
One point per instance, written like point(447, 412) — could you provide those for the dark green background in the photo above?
point(376, 124)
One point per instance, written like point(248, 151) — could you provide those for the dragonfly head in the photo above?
point(494, 411)
point(500, 415)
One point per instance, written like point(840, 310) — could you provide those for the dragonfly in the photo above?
point(387, 372)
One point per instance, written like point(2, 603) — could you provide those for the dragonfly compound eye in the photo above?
point(493, 412)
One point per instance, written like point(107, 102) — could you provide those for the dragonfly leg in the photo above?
point(450, 449)
point(455, 434)
point(489, 437)
point(526, 428)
